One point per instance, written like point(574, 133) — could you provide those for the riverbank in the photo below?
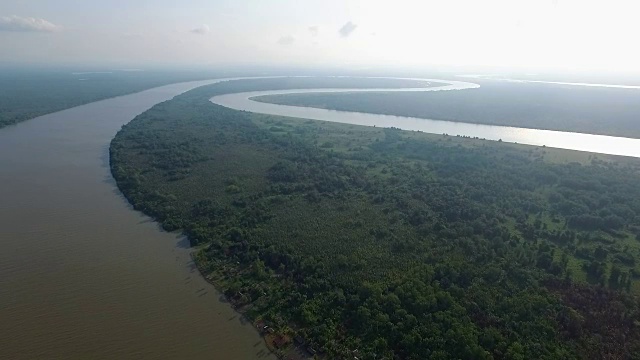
point(340, 228)
point(280, 344)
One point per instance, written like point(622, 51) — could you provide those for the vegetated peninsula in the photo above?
point(593, 110)
point(381, 243)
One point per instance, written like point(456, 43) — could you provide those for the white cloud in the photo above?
point(347, 29)
point(27, 24)
point(201, 30)
point(314, 30)
point(286, 40)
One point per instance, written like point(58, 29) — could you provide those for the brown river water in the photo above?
point(83, 275)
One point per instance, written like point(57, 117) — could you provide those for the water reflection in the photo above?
point(558, 139)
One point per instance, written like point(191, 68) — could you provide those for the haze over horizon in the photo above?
point(553, 34)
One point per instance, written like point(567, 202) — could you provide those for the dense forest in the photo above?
point(374, 243)
point(605, 111)
point(28, 93)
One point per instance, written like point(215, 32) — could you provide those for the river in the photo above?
point(84, 276)
point(558, 139)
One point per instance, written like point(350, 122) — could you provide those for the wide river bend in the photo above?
point(558, 139)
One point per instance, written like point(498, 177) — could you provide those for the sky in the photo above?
point(527, 34)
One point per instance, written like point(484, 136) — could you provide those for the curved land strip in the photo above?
point(535, 105)
point(381, 243)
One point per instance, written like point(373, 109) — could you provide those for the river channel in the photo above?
point(83, 275)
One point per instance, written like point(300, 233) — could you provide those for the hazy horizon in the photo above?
point(557, 35)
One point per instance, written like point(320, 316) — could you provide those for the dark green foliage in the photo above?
point(392, 244)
